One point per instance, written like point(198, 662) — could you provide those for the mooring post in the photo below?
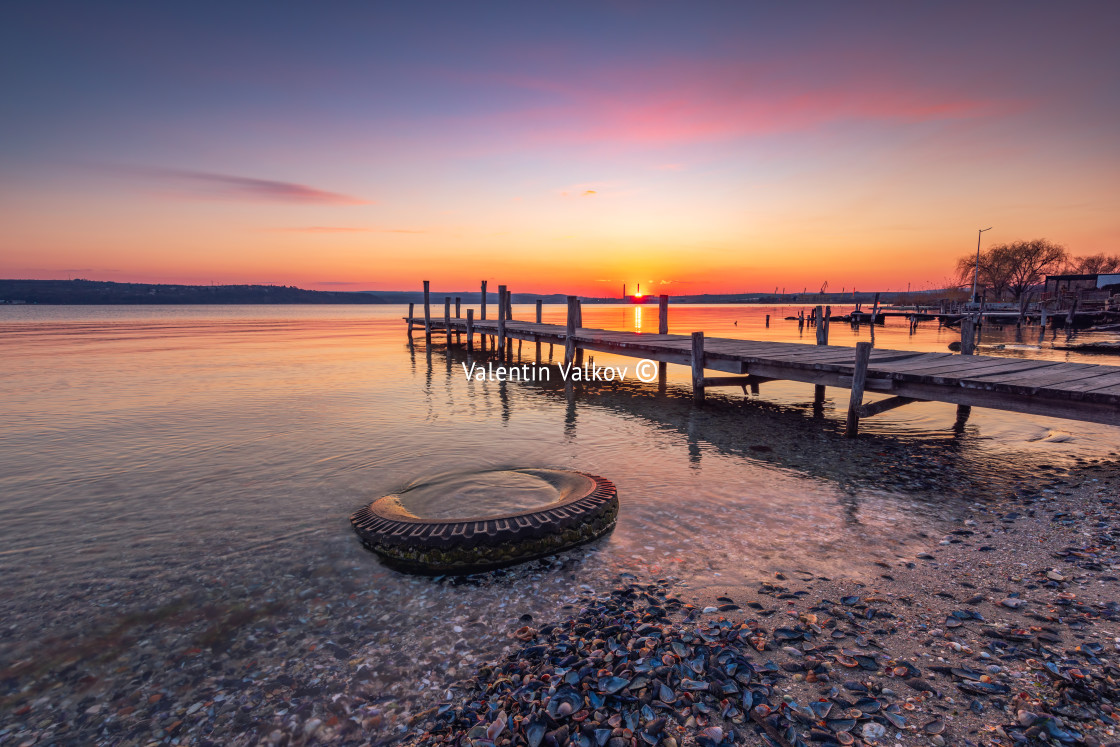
point(698, 367)
point(410, 307)
point(509, 305)
point(859, 378)
point(822, 339)
point(427, 313)
point(447, 317)
point(968, 347)
point(470, 329)
point(968, 336)
point(501, 321)
point(579, 325)
point(458, 315)
point(540, 316)
point(767, 321)
point(570, 334)
point(482, 311)
point(662, 329)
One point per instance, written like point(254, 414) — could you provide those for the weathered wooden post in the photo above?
point(968, 336)
point(458, 315)
point(662, 329)
point(501, 322)
point(570, 333)
point(427, 314)
point(698, 367)
point(767, 321)
point(482, 311)
point(859, 378)
point(968, 347)
point(822, 339)
point(579, 325)
point(447, 317)
point(509, 305)
point(540, 316)
point(470, 329)
point(410, 306)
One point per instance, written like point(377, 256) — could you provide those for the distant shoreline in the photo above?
point(104, 293)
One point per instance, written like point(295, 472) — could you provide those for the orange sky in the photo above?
point(554, 149)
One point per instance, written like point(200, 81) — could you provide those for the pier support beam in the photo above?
point(410, 309)
point(447, 317)
point(540, 315)
point(427, 313)
point(470, 329)
point(968, 347)
point(662, 329)
point(698, 367)
point(501, 322)
point(859, 377)
point(570, 334)
point(822, 339)
point(482, 311)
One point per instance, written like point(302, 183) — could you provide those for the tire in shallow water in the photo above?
point(431, 542)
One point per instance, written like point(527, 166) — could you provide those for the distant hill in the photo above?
point(99, 292)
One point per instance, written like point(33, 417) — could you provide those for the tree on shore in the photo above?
point(1012, 269)
point(1094, 264)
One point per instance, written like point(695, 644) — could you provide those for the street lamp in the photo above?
point(976, 270)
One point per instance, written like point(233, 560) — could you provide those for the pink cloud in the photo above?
point(230, 187)
point(688, 102)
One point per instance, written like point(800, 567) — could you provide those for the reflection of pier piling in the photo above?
point(1075, 391)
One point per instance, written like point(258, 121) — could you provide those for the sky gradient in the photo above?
point(564, 148)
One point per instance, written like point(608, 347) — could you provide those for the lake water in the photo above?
point(217, 453)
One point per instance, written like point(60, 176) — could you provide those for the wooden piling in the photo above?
point(767, 321)
point(698, 367)
point(410, 308)
point(501, 321)
point(470, 329)
point(968, 336)
point(859, 378)
point(509, 305)
point(663, 315)
point(482, 311)
point(570, 334)
point(540, 316)
point(447, 317)
point(579, 325)
point(822, 339)
point(427, 313)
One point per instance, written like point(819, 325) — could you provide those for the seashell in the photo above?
point(934, 727)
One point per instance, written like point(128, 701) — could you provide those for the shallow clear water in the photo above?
point(140, 441)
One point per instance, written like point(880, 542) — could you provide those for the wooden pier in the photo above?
point(1075, 391)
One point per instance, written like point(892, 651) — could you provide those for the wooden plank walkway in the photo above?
point(1076, 391)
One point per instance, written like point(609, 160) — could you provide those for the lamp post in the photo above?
point(976, 270)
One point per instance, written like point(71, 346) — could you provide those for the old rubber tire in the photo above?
point(461, 546)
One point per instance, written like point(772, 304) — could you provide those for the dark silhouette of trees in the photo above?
point(1094, 264)
point(1012, 269)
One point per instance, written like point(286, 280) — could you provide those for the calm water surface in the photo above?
point(144, 440)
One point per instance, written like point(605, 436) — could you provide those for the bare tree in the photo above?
point(1031, 262)
point(1013, 268)
point(1095, 264)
